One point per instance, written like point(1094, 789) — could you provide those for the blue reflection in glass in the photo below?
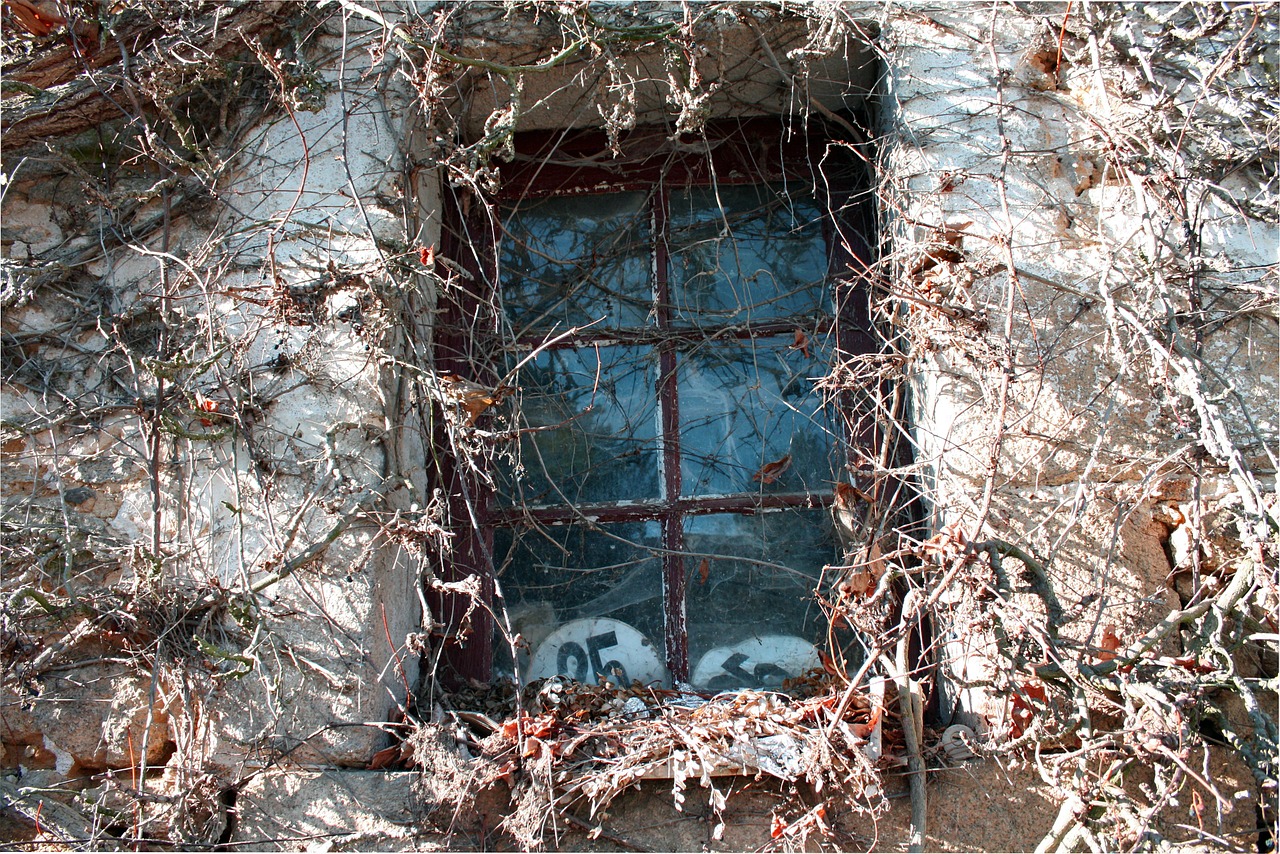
point(592, 426)
point(761, 572)
point(744, 405)
point(746, 254)
point(571, 260)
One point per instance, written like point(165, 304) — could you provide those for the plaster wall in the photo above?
point(297, 289)
point(1035, 409)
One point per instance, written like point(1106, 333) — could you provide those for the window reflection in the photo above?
point(563, 574)
point(569, 261)
point(745, 405)
point(592, 426)
point(745, 253)
point(751, 431)
point(751, 577)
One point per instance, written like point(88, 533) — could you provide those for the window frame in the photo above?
point(732, 152)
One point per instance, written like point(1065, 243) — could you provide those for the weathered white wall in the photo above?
point(1092, 435)
point(295, 303)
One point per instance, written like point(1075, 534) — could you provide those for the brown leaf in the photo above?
point(847, 495)
point(946, 246)
point(770, 472)
point(864, 731)
point(385, 758)
point(473, 398)
point(950, 540)
point(704, 571)
point(801, 343)
point(37, 17)
point(475, 407)
point(875, 560)
point(1110, 643)
point(1188, 662)
point(857, 583)
point(204, 404)
point(1022, 712)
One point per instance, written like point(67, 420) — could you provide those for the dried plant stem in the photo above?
point(1224, 603)
point(911, 708)
point(68, 823)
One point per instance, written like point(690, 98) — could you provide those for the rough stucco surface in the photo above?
point(307, 278)
point(299, 327)
point(1091, 424)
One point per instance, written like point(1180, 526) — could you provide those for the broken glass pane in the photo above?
point(746, 254)
point(570, 260)
point(592, 426)
point(750, 419)
point(753, 577)
point(560, 575)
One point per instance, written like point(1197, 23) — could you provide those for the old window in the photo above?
point(668, 314)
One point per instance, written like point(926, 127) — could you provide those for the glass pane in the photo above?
point(592, 415)
point(750, 419)
point(571, 260)
point(752, 617)
point(746, 253)
point(578, 580)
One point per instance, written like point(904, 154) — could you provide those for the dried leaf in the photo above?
point(875, 560)
point(777, 827)
point(1021, 710)
point(801, 343)
point(1110, 643)
point(857, 583)
point(385, 758)
point(864, 731)
point(472, 398)
point(848, 495)
point(951, 540)
point(770, 472)
point(427, 255)
point(37, 17)
point(704, 571)
point(1188, 662)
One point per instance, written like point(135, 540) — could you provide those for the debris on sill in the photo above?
point(573, 745)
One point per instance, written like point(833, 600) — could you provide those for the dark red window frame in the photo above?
point(570, 162)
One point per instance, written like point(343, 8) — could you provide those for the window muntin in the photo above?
point(646, 490)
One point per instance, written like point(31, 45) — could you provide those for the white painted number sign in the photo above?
point(595, 649)
point(760, 662)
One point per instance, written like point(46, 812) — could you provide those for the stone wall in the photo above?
point(212, 481)
point(222, 420)
point(1094, 317)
